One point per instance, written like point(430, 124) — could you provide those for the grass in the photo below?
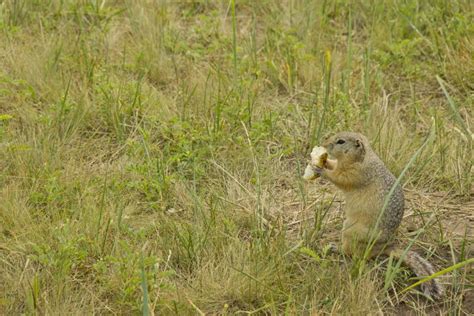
point(152, 153)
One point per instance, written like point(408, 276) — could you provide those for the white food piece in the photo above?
point(319, 155)
point(309, 173)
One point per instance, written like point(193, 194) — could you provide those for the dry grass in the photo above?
point(152, 152)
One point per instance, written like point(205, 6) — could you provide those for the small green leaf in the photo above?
point(439, 273)
point(310, 252)
point(5, 117)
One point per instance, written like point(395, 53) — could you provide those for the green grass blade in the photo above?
point(144, 284)
point(439, 273)
point(454, 109)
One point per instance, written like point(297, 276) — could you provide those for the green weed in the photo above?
point(152, 153)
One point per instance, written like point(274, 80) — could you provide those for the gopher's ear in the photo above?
point(361, 147)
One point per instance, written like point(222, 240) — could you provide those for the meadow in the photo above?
point(152, 153)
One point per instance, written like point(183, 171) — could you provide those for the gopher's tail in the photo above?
point(421, 268)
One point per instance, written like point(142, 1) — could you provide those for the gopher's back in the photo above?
point(384, 181)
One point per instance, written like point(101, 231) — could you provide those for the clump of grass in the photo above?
point(152, 152)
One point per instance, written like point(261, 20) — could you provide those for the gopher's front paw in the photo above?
point(319, 171)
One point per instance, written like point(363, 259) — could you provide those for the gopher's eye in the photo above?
point(340, 141)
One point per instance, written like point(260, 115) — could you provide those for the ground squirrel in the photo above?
point(366, 182)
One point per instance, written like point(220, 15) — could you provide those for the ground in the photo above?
point(152, 153)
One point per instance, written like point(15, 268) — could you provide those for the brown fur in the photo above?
point(366, 182)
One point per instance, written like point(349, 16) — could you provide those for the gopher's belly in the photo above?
point(362, 211)
point(363, 206)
